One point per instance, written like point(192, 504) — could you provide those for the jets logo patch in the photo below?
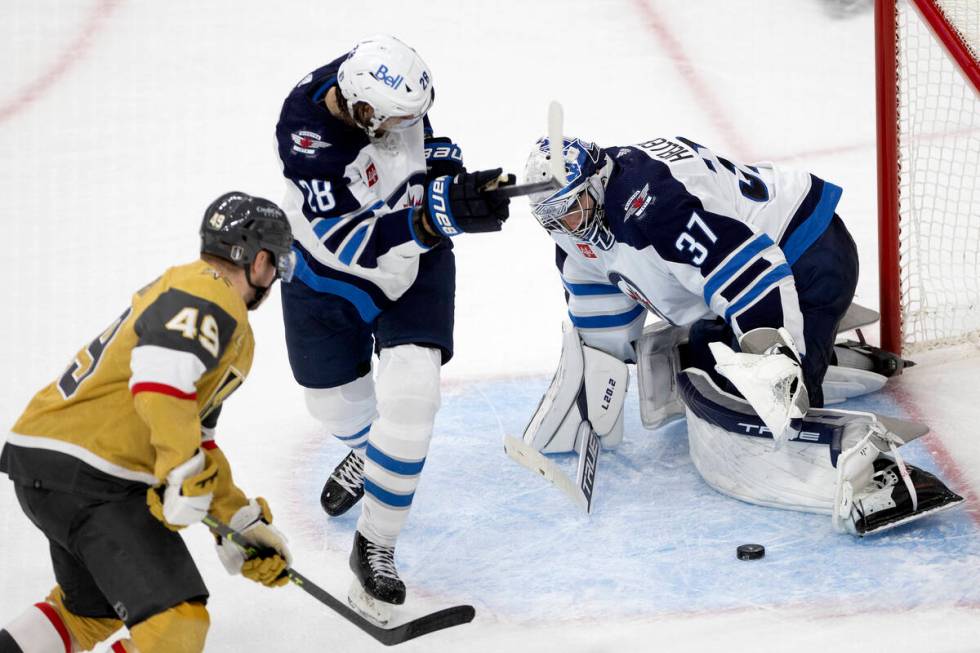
point(586, 250)
point(307, 142)
point(638, 203)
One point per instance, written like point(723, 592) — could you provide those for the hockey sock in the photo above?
point(408, 398)
point(38, 630)
point(85, 631)
point(181, 629)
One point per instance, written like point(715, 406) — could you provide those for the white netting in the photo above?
point(939, 187)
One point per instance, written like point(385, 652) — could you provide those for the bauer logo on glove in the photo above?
point(462, 204)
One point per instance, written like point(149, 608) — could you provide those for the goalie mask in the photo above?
point(587, 170)
point(391, 78)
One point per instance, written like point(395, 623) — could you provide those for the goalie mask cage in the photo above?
point(928, 104)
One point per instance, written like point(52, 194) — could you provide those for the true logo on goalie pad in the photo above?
point(760, 430)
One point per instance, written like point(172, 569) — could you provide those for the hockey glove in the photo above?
point(442, 157)
point(187, 495)
point(770, 380)
point(460, 204)
point(272, 558)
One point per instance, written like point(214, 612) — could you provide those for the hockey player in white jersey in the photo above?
point(373, 200)
point(750, 271)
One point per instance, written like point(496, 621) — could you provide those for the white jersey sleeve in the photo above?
point(606, 318)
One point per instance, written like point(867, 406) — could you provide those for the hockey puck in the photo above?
point(750, 551)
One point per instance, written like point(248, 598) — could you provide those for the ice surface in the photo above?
point(120, 121)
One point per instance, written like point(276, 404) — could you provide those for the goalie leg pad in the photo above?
point(842, 383)
point(657, 366)
point(589, 385)
point(745, 465)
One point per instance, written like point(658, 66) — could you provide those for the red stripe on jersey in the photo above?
point(209, 445)
point(162, 389)
point(56, 621)
point(117, 647)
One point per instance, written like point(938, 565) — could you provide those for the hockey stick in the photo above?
point(579, 490)
point(523, 189)
point(446, 618)
point(557, 161)
point(556, 118)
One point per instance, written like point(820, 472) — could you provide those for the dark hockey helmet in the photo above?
point(237, 226)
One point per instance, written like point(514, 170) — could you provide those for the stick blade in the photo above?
point(430, 623)
point(532, 459)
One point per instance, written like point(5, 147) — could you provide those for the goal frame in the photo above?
point(886, 91)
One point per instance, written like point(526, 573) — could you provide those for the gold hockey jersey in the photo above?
point(130, 406)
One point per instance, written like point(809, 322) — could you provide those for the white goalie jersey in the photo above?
point(695, 235)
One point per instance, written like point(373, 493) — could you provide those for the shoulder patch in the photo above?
point(184, 322)
point(638, 203)
point(307, 143)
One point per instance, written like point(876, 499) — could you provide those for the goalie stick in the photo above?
point(557, 162)
point(587, 441)
point(446, 618)
point(523, 189)
point(579, 490)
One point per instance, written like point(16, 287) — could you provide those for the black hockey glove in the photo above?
point(442, 157)
point(460, 204)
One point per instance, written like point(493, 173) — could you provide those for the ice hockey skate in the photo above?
point(345, 487)
point(892, 502)
point(376, 588)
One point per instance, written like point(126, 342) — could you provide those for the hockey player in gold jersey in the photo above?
point(118, 453)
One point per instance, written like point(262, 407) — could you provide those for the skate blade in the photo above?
point(371, 608)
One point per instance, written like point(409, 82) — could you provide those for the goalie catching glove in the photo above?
point(254, 523)
point(461, 204)
point(769, 376)
point(186, 497)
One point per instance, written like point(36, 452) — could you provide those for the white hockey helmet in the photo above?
point(587, 169)
point(391, 77)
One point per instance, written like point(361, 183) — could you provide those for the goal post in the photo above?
point(928, 133)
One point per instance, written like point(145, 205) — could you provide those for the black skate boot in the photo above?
point(345, 487)
point(376, 587)
point(888, 502)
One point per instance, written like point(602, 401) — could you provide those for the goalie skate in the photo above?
point(376, 589)
point(889, 503)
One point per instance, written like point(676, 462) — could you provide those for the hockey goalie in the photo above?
point(752, 275)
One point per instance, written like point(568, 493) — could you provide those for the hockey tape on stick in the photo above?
point(447, 618)
point(556, 142)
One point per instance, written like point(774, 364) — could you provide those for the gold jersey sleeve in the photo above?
point(131, 402)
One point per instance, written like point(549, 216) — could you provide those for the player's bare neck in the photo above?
point(229, 273)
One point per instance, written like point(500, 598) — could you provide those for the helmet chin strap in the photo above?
point(260, 291)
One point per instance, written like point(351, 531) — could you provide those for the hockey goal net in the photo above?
point(928, 95)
